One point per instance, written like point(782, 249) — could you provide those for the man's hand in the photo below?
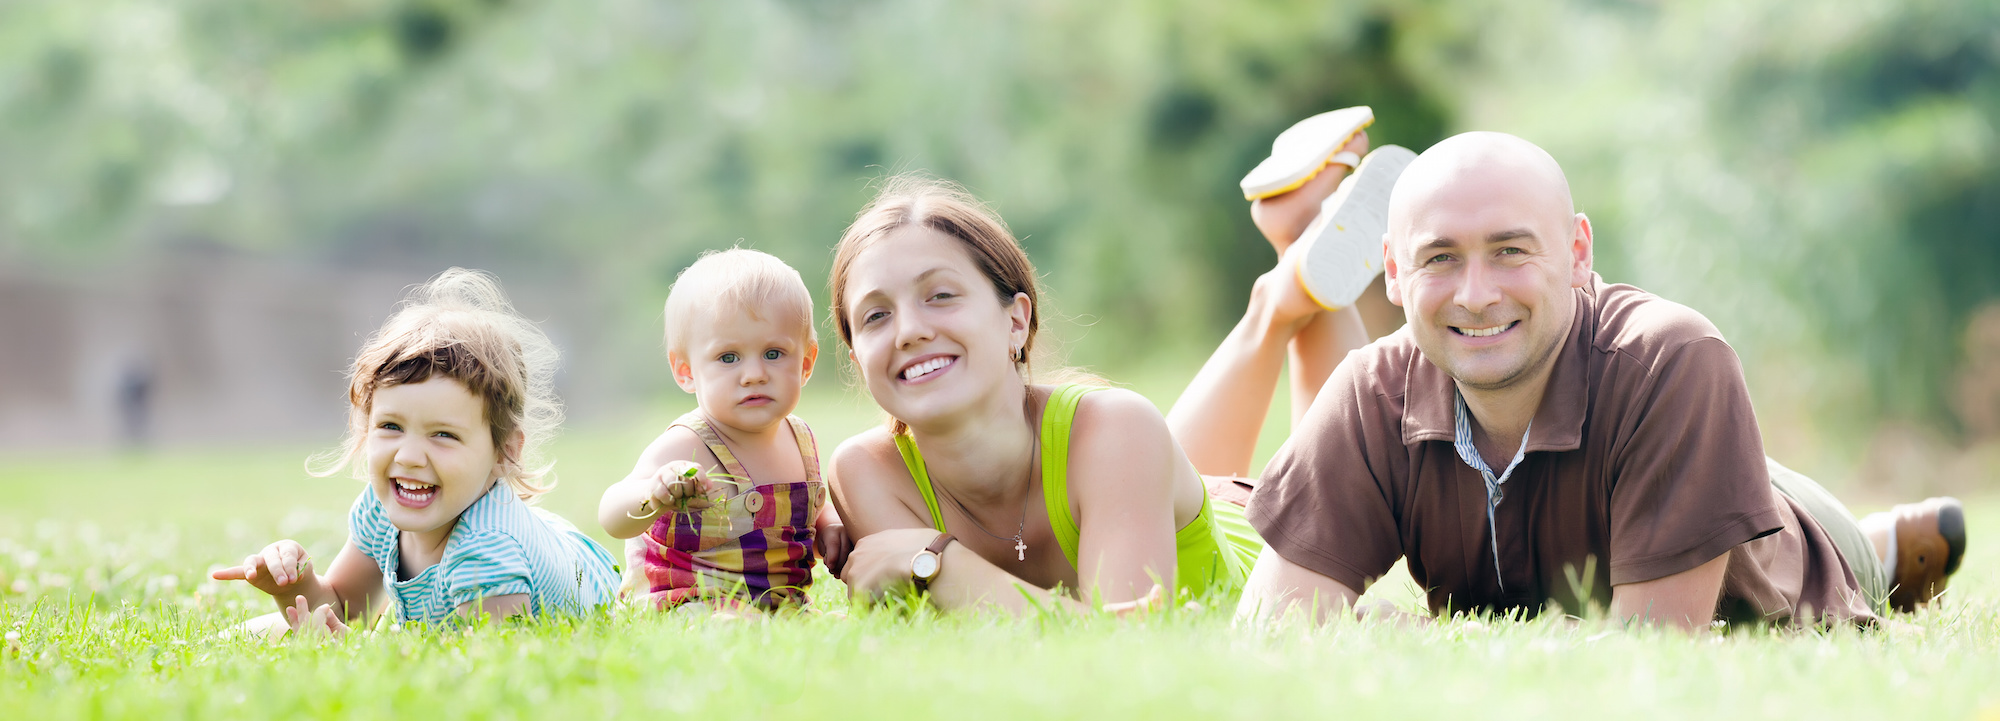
point(1277, 587)
point(282, 569)
point(1685, 600)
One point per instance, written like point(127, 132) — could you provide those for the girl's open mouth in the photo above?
point(414, 494)
point(756, 400)
point(927, 368)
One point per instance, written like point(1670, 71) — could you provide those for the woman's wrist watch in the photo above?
point(924, 566)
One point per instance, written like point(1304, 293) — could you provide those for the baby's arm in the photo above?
point(830, 539)
point(629, 506)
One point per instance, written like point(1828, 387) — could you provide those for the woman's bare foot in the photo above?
point(1283, 217)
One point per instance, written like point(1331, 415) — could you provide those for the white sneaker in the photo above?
point(1341, 252)
point(1303, 149)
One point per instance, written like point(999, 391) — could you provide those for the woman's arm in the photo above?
point(1127, 480)
point(865, 473)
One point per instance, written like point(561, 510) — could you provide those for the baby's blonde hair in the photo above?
point(460, 326)
point(751, 280)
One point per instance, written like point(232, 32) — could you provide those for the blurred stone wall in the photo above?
point(209, 346)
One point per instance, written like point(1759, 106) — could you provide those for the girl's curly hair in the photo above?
point(461, 326)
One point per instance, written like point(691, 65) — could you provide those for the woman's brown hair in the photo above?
point(912, 199)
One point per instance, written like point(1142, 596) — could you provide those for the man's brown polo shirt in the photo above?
point(1643, 461)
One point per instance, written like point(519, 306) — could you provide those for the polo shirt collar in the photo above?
point(1430, 397)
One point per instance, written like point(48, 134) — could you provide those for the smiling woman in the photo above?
point(938, 306)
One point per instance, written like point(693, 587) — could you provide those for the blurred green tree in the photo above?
point(1820, 179)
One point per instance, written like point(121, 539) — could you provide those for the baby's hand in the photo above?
point(317, 624)
point(279, 570)
point(681, 486)
point(833, 544)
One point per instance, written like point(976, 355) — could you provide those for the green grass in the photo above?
point(103, 562)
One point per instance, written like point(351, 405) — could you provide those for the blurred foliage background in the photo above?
point(1821, 179)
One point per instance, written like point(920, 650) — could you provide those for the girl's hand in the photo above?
point(879, 565)
point(280, 570)
point(318, 624)
point(679, 485)
point(833, 545)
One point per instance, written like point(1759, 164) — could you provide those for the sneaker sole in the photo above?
point(1342, 249)
point(1302, 151)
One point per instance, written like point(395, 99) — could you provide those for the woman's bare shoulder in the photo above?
point(866, 459)
point(1120, 411)
point(871, 486)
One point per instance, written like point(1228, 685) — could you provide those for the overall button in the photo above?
point(755, 502)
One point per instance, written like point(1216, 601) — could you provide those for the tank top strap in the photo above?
point(694, 422)
point(808, 448)
point(1057, 417)
point(913, 459)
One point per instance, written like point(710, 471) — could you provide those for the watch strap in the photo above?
point(935, 549)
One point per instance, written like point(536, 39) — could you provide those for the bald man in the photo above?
point(1537, 437)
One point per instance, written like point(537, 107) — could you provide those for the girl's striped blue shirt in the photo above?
point(501, 546)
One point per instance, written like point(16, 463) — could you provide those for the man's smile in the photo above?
point(1486, 332)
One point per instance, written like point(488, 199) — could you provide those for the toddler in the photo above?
point(448, 404)
point(725, 506)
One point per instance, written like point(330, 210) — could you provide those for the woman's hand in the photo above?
point(1143, 606)
point(879, 565)
point(319, 624)
point(282, 569)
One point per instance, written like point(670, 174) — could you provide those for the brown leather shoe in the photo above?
point(1929, 544)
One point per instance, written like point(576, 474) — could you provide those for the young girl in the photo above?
point(448, 404)
point(724, 508)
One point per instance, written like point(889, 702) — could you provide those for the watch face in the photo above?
point(924, 565)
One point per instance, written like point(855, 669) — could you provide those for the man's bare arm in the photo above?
point(1277, 587)
point(1685, 600)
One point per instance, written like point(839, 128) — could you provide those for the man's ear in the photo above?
point(811, 357)
point(1581, 252)
point(1391, 273)
point(683, 373)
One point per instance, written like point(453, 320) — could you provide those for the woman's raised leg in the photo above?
point(1217, 419)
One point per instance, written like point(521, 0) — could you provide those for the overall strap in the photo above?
point(914, 460)
point(694, 422)
point(808, 448)
point(1057, 417)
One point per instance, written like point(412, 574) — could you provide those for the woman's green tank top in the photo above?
point(1202, 565)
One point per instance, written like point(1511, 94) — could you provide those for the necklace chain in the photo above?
point(1020, 529)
